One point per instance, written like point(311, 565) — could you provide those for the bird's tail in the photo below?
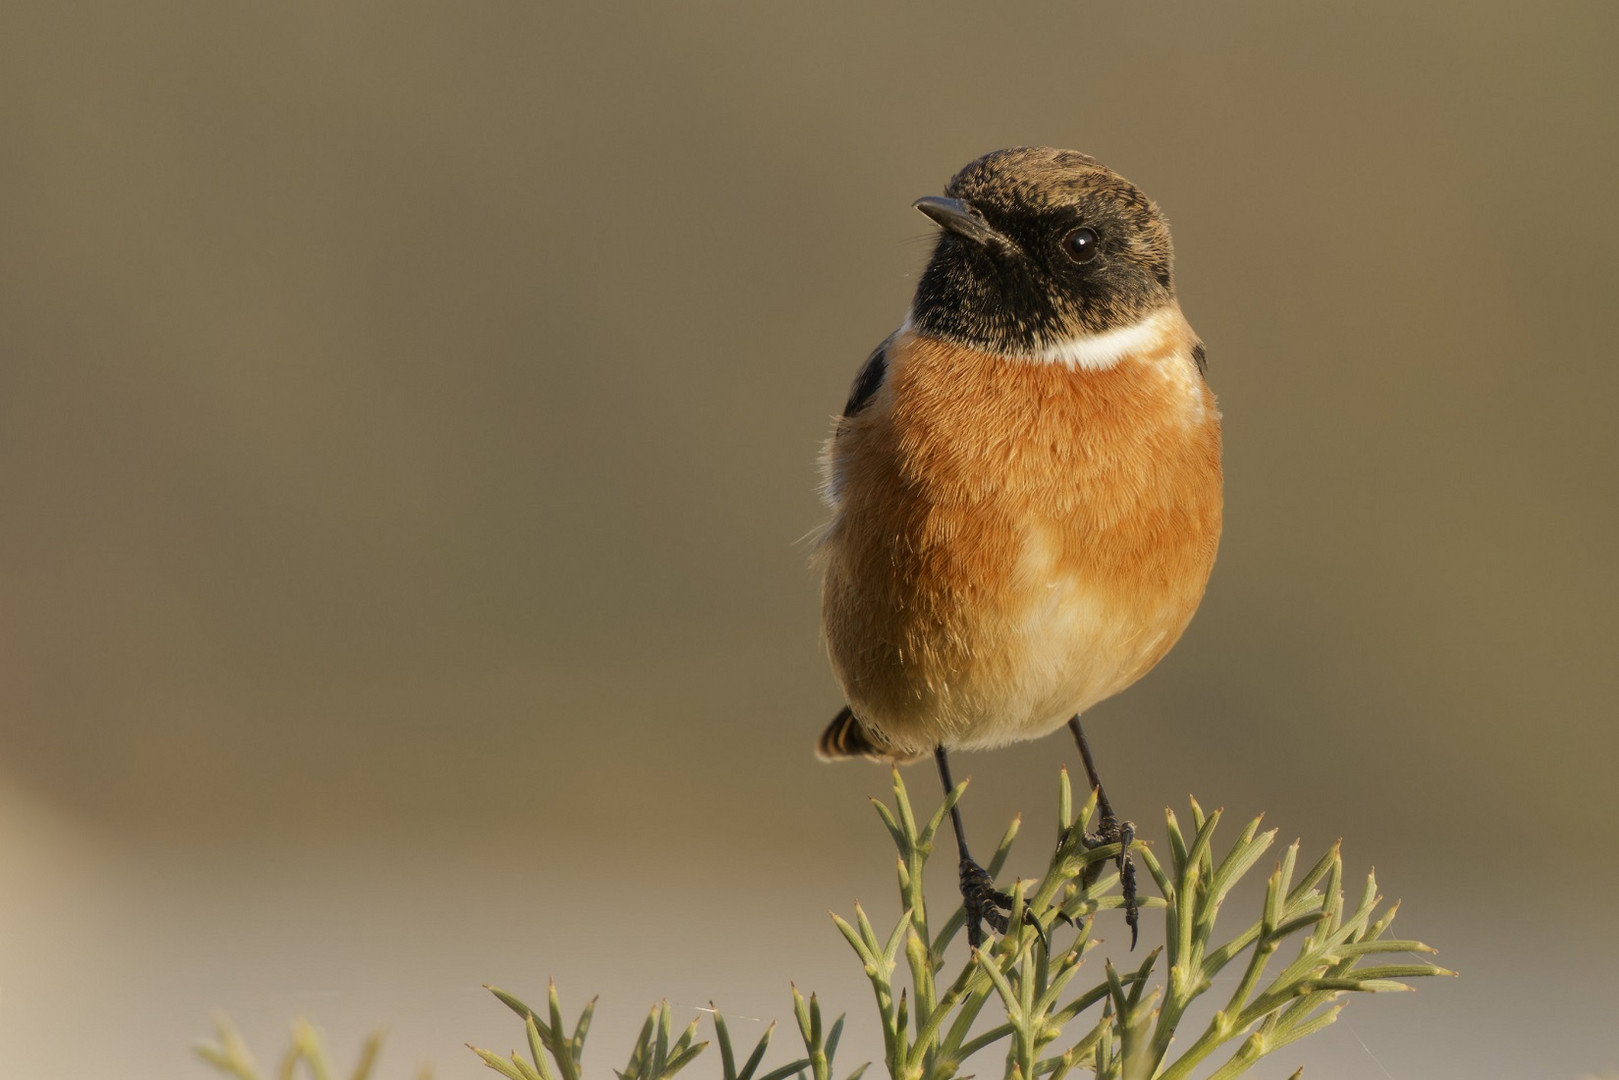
point(845, 737)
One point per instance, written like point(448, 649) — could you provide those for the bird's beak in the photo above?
point(961, 218)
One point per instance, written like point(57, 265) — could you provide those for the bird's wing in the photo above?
point(866, 385)
point(868, 381)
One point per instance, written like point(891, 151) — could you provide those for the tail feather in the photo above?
point(846, 737)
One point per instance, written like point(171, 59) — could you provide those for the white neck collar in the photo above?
point(1097, 352)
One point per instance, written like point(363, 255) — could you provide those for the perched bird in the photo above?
point(1025, 482)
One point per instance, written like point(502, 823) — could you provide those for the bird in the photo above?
point(1025, 483)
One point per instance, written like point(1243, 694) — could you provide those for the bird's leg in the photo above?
point(1112, 830)
point(981, 901)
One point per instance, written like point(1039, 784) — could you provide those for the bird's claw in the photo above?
point(982, 902)
point(1123, 833)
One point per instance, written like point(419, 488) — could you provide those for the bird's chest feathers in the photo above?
point(1080, 470)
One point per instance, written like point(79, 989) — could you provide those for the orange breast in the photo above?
point(1013, 541)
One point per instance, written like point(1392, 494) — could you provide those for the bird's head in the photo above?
point(1041, 248)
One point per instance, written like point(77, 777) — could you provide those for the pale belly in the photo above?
point(1078, 644)
point(1005, 660)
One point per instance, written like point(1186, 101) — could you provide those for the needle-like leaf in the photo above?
point(931, 1015)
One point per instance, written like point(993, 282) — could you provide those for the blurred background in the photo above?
point(408, 422)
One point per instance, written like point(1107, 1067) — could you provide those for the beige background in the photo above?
point(407, 427)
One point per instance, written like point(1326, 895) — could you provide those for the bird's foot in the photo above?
point(982, 902)
point(1123, 833)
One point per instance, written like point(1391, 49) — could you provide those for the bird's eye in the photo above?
point(1081, 245)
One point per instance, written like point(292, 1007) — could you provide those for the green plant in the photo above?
point(1121, 1027)
point(307, 1052)
point(930, 1025)
point(657, 1055)
point(1131, 1037)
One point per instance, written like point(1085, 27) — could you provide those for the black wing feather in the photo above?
point(868, 382)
